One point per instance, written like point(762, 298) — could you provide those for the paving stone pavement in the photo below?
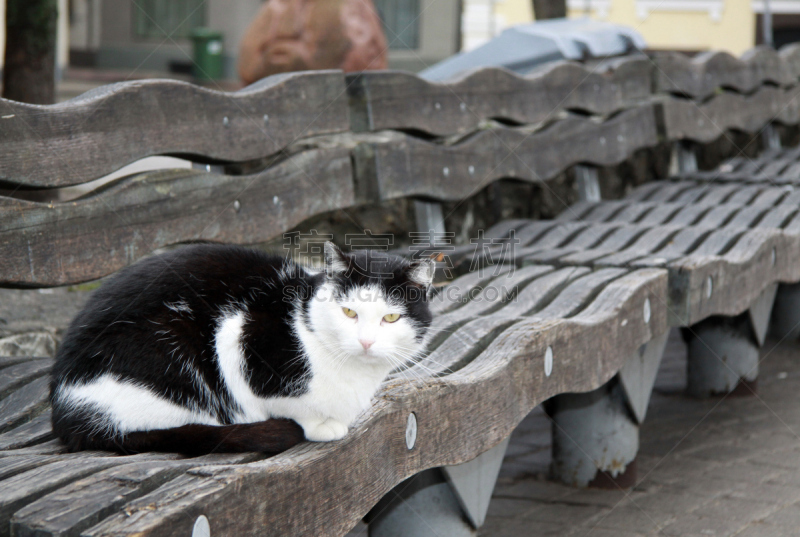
point(720, 467)
point(707, 468)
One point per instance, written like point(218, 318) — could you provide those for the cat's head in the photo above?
point(373, 306)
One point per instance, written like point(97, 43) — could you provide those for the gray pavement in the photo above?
point(720, 467)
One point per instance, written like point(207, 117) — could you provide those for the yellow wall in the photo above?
point(686, 30)
point(514, 12)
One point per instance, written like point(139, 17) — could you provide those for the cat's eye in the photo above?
point(350, 313)
point(392, 317)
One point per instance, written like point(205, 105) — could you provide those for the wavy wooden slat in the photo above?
point(406, 166)
point(790, 54)
point(83, 503)
point(57, 244)
point(399, 100)
point(781, 167)
point(341, 481)
point(686, 120)
point(107, 128)
point(703, 75)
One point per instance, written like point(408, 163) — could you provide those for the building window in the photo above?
point(400, 19)
point(162, 18)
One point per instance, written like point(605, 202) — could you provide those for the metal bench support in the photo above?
point(450, 501)
point(770, 137)
point(724, 351)
point(587, 183)
point(596, 434)
point(682, 159)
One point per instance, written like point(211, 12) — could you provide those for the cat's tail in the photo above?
point(271, 436)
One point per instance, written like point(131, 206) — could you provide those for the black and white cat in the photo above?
point(221, 348)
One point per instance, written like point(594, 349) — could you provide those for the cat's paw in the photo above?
point(326, 431)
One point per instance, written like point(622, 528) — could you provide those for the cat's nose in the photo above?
point(366, 343)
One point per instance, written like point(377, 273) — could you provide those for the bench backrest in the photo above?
point(289, 147)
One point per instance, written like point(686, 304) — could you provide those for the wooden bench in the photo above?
point(585, 335)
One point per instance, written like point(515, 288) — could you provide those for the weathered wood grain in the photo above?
point(104, 129)
point(704, 74)
point(398, 100)
point(687, 120)
point(24, 403)
point(17, 375)
point(407, 166)
point(774, 167)
point(790, 54)
point(341, 481)
point(85, 502)
point(37, 430)
point(61, 243)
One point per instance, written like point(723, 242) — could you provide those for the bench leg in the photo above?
point(451, 501)
point(596, 434)
point(587, 183)
point(682, 159)
point(724, 351)
point(770, 137)
point(786, 312)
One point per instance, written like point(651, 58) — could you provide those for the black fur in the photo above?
point(128, 330)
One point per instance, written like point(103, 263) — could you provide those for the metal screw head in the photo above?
point(446, 171)
point(226, 121)
point(275, 200)
point(411, 431)
point(471, 170)
point(201, 527)
point(548, 361)
point(237, 206)
point(438, 106)
point(463, 107)
point(646, 312)
point(709, 286)
point(266, 119)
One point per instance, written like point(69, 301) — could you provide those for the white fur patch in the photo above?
point(124, 406)
point(230, 358)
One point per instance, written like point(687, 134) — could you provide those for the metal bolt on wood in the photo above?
point(548, 361)
point(411, 431)
point(438, 106)
point(266, 119)
point(471, 170)
point(226, 121)
point(463, 107)
point(237, 205)
point(446, 171)
point(201, 527)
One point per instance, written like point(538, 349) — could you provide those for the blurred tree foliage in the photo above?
point(30, 57)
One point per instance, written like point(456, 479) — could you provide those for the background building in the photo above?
point(149, 36)
point(129, 34)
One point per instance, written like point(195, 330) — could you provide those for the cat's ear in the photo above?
point(421, 272)
point(336, 262)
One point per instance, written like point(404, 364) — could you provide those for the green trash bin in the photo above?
point(207, 54)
